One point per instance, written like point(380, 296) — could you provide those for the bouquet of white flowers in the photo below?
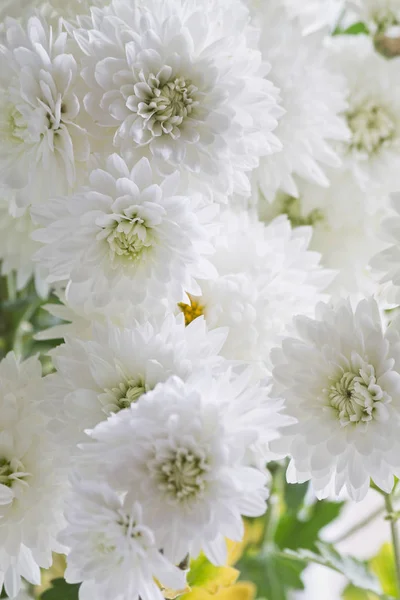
point(200, 281)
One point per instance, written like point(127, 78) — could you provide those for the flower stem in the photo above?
point(395, 535)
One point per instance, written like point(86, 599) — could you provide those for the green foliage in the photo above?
point(273, 574)
point(294, 532)
point(201, 572)
point(357, 572)
point(61, 590)
point(293, 495)
point(383, 566)
point(353, 593)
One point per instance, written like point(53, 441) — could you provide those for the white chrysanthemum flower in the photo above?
point(378, 14)
point(31, 481)
point(98, 377)
point(266, 274)
point(339, 378)
point(373, 114)
point(111, 549)
point(314, 14)
point(346, 229)
point(313, 98)
point(17, 248)
point(178, 82)
point(125, 237)
point(182, 451)
point(42, 146)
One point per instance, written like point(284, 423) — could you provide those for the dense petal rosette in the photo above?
point(125, 237)
point(265, 275)
point(314, 98)
point(372, 152)
point(112, 551)
point(184, 450)
point(116, 366)
point(42, 145)
point(180, 83)
point(31, 477)
point(339, 378)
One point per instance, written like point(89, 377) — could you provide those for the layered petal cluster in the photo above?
point(339, 378)
point(111, 550)
point(373, 114)
point(105, 374)
point(182, 450)
point(266, 274)
point(42, 145)
point(17, 248)
point(345, 224)
point(180, 83)
point(380, 15)
point(124, 238)
point(31, 477)
point(314, 98)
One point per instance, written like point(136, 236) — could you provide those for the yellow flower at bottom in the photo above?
point(243, 590)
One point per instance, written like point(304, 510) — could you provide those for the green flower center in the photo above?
point(129, 238)
point(356, 396)
point(372, 126)
point(128, 392)
point(11, 471)
point(181, 476)
point(167, 106)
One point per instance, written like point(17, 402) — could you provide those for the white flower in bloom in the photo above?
point(17, 248)
point(124, 238)
point(265, 275)
point(111, 549)
point(31, 481)
point(42, 146)
point(101, 376)
point(313, 98)
point(373, 113)
point(179, 83)
point(346, 229)
point(314, 14)
point(182, 451)
point(339, 378)
point(378, 14)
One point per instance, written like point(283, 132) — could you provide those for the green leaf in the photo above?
point(355, 29)
point(273, 574)
point(293, 532)
point(357, 572)
point(383, 566)
point(353, 593)
point(61, 590)
point(201, 571)
point(294, 495)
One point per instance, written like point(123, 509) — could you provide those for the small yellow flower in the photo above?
point(192, 310)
